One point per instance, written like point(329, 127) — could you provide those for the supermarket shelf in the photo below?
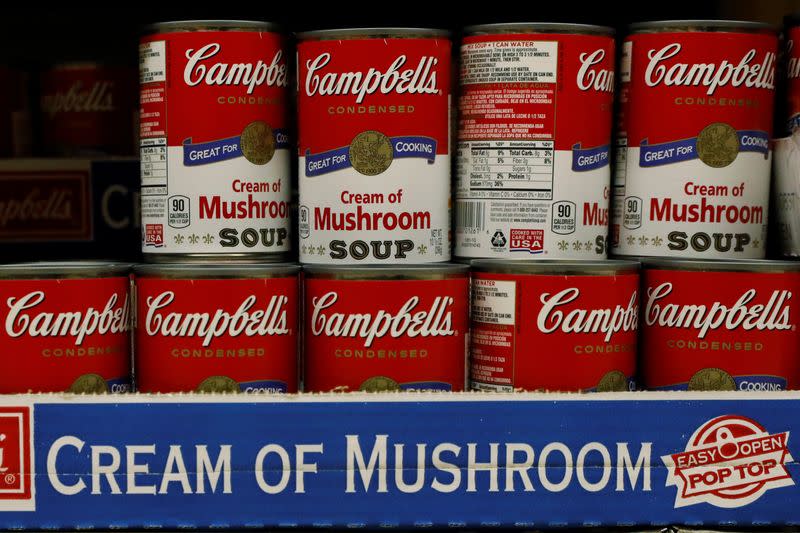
point(539, 460)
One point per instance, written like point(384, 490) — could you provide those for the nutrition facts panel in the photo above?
point(153, 153)
point(506, 169)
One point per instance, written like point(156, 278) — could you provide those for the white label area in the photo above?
point(493, 304)
point(152, 62)
point(401, 215)
point(509, 62)
point(231, 206)
point(688, 209)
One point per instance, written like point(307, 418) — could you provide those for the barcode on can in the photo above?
point(470, 215)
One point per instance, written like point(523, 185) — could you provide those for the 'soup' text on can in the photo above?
point(554, 325)
point(536, 108)
point(66, 327)
point(386, 329)
point(217, 328)
point(374, 142)
point(215, 149)
point(722, 325)
point(694, 154)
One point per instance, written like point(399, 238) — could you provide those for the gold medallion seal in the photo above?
point(89, 384)
point(218, 384)
point(711, 379)
point(371, 153)
point(613, 381)
point(258, 143)
point(718, 145)
point(379, 384)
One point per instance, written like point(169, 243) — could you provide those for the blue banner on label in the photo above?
point(743, 383)
point(119, 385)
point(269, 386)
point(205, 153)
point(585, 159)
point(426, 386)
point(339, 158)
point(686, 149)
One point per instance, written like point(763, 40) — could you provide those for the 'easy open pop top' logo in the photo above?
point(16, 463)
point(730, 461)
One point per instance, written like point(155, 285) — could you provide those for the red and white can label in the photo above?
point(557, 333)
point(214, 143)
point(414, 337)
point(534, 146)
point(374, 150)
point(65, 335)
point(792, 53)
point(694, 151)
point(720, 330)
point(88, 109)
point(242, 340)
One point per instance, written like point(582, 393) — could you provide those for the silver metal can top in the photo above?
point(555, 267)
point(372, 33)
point(210, 25)
point(731, 26)
point(729, 265)
point(387, 272)
point(216, 271)
point(64, 269)
point(538, 27)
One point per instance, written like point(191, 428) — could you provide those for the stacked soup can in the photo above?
point(530, 301)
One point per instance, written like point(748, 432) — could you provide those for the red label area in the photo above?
point(88, 108)
point(558, 333)
point(682, 82)
point(385, 335)
point(57, 332)
point(400, 87)
point(574, 108)
point(217, 82)
point(16, 478)
point(741, 323)
point(793, 78)
point(244, 338)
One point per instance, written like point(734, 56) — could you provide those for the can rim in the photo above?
point(721, 265)
point(710, 24)
point(373, 32)
point(553, 266)
point(210, 24)
point(201, 270)
point(384, 270)
point(55, 269)
point(544, 27)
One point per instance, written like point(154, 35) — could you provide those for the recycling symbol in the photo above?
point(498, 239)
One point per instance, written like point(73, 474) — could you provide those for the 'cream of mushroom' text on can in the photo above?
point(562, 325)
point(720, 325)
point(65, 327)
point(536, 109)
point(374, 146)
point(217, 328)
point(382, 328)
point(694, 155)
point(215, 148)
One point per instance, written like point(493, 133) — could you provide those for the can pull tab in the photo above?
point(726, 444)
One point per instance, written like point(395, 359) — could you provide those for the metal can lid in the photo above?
point(387, 272)
point(566, 267)
point(372, 33)
point(215, 271)
point(538, 27)
point(210, 25)
point(745, 26)
point(724, 265)
point(64, 269)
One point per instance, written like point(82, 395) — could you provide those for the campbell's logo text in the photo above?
point(397, 78)
point(774, 315)
point(409, 320)
point(246, 320)
point(200, 69)
point(79, 98)
point(24, 320)
point(555, 314)
point(597, 79)
point(745, 71)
